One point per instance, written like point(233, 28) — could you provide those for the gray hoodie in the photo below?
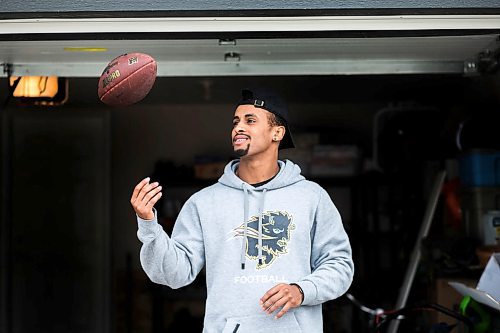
point(250, 239)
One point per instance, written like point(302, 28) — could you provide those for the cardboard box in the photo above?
point(488, 289)
point(334, 160)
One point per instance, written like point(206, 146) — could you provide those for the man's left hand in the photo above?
point(282, 296)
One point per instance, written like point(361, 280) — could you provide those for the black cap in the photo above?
point(271, 102)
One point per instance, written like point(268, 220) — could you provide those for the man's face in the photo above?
point(251, 132)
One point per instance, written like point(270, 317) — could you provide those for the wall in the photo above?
point(59, 230)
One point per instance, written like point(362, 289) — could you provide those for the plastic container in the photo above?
point(491, 228)
point(480, 168)
point(475, 203)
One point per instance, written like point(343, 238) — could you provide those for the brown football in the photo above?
point(127, 79)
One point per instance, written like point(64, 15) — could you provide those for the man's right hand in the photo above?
point(144, 198)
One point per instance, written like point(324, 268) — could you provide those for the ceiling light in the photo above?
point(39, 90)
point(227, 42)
point(34, 86)
point(85, 49)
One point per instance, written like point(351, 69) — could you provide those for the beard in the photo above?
point(242, 152)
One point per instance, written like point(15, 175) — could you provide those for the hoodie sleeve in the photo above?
point(331, 259)
point(174, 261)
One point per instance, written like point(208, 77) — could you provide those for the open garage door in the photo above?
point(238, 46)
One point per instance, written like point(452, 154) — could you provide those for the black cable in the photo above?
point(427, 306)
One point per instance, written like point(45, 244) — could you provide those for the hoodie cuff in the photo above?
point(148, 224)
point(310, 293)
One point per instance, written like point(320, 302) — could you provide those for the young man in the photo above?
point(273, 243)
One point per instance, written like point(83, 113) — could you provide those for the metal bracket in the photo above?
point(232, 56)
point(227, 42)
point(7, 69)
point(488, 60)
point(470, 68)
point(258, 103)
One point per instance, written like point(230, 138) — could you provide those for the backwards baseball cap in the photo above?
point(271, 102)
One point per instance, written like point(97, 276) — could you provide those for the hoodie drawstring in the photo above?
point(245, 215)
point(261, 212)
point(245, 227)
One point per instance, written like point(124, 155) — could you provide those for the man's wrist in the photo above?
point(147, 218)
point(300, 290)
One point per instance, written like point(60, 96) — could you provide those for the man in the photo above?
point(272, 242)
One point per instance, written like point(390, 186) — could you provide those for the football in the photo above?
point(127, 79)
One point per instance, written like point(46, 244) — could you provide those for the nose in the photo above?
point(239, 128)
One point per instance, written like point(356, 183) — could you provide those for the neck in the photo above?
point(253, 171)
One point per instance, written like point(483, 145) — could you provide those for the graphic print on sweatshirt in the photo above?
point(276, 230)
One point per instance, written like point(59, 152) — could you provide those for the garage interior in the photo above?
point(375, 117)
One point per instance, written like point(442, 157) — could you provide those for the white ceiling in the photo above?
point(285, 56)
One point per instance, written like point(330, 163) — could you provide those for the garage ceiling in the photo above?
point(298, 56)
point(445, 51)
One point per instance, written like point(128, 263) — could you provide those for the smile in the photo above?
point(239, 139)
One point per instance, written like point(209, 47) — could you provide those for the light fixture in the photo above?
point(39, 90)
point(85, 49)
point(34, 86)
point(227, 42)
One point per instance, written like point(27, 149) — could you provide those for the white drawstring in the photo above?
point(245, 215)
point(261, 212)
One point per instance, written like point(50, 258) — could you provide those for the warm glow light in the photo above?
point(85, 49)
point(35, 86)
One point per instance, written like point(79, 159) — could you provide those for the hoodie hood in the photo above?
point(289, 174)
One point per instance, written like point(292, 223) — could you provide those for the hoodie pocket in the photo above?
point(262, 324)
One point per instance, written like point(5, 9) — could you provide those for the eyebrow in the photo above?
point(247, 116)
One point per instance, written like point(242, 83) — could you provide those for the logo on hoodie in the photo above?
point(276, 229)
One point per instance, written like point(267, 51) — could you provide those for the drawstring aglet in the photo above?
point(242, 266)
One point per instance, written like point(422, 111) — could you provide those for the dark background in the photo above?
point(69, 247)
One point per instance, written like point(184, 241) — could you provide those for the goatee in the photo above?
point(242, 152)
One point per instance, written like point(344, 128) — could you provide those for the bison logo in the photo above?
point(276, 230)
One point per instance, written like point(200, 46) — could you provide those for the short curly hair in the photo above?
point(275, 120)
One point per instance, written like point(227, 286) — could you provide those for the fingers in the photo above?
point(282, 296)
point(154, 199)
point(148, 193)
point(271, 300)
point(271, 292)
point(278, 301)
point(138, 188)
point(144, 197)
point(284, 310)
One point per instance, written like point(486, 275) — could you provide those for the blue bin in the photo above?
point(480, 168)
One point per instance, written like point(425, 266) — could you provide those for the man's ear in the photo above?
point(279, 132)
